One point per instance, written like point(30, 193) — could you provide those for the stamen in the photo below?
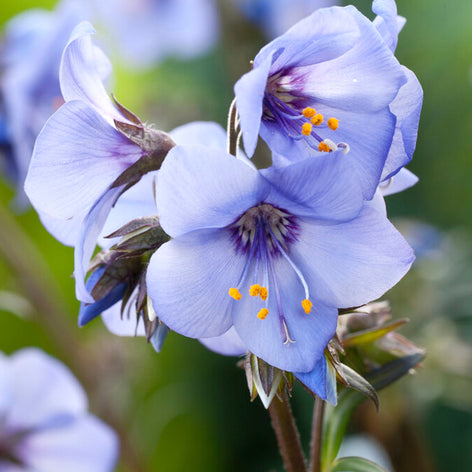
point(345, 148)
point(288, 339)
point(234, 293)
point(263, 312)
point(307, 306)
point(333, 123)
point(306, 129)
point(308, 112)
point(317, 119)
point(263, 293)
point(323, 147)
point(254, 290)
point(327, 146)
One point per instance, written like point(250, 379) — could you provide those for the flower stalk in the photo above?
point(316, 435)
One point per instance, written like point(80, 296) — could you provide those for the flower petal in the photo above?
point(85, 444)
point(322, 187)
point(387, 21)
point(123, 325)
point(228, 344)
point(188, 279)
point(202, 187)
point(399, 182)
point(350, 264)
point(67, 175)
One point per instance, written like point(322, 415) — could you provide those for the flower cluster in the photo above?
point(242, 258)
point(44, 424)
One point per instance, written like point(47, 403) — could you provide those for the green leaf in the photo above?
point(370, 335)
point(355, 464)
point(337, 418)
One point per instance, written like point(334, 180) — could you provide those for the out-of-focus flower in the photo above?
point(72, 184)
point(327, 83)
point(277, 16)
point(145, 32)
point(274, 253)
point(29, 87)
point(44, 423)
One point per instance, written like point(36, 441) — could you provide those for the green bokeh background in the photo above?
point(187, 408)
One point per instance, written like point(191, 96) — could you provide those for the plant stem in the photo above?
point(316, 435)
point(288, 437)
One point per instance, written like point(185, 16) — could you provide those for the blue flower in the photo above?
point(328, 82)
point(29, 87)
point(45, 425)
point(145, 32)
point(277, 16)
point(274, 253)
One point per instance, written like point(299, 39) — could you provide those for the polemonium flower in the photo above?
point(326, 83)
point(274, 253)
point(148, 31)
point(45, 425)
point(71, 183)
point(29, 86)
point(277, 16)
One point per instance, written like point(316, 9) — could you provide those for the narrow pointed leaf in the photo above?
point(355, 464)
point(371, 335)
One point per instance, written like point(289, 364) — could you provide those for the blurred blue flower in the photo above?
point(274, 253)
point(145, 32)
point(326, 83)
point(69, 181)
point(275, 17)
point(29, 88)
point(44, 424)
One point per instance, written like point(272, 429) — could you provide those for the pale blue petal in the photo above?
point(188, 279)
point(203, 187)
point(92, 226)
point(65, 231)
point(249, 91)
point(82, 70)
point(399, 182)
point(350, 264)
point(123, 325)
point(67, 175)
point(323, 187)
point(265, 338)
point(386, 21)
point(42, 388)
point(204, 133)
point(228, 344)
point(86, 444)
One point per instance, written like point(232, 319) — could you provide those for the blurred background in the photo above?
point(188, 408)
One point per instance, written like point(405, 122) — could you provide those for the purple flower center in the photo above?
point(9, 445)
point(285, 104)
point(263, 234)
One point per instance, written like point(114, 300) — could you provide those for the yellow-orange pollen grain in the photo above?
point(234, 293)
point(263, 313)
point(308, 112)
point(254, 290)
point(323, 147)
point(333, 123)
point(307, 306)
point(306, 129)
point(317, 119)
point(263, 293)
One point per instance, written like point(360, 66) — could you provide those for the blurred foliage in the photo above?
point(189, 409)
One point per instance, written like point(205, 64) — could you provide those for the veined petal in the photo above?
point(67, 175)
point(266, 337)
point(91, 228)
point(387, 22)
point(202, 188)
point(228, 344)
point(188, 280)
point(33, 372)
point(351, 263)
point(82, 69)
point(84, 444)
point(322, 187)
point(249, 91)
point(123, 325)
point(65, 231)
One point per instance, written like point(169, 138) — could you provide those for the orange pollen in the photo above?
point(317, 119)
point(333, 123)
point(254, 290)
point(306, 129)
point(323, 147)
point(308, 112)
point(263, 313)
point(307, 306)
point(234, 293)
point(263, 293)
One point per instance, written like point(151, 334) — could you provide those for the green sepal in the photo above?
point(355, 464)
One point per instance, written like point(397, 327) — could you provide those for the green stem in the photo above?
point(288, 437)
point(316, 435)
